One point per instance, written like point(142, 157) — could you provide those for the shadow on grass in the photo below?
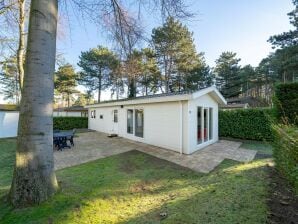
point(134, 187)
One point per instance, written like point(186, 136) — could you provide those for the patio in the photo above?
point(95, 145)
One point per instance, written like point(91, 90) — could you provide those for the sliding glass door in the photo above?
point(204, 124)
point(135, 122)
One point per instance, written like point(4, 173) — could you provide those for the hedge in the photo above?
point(285, 152)
point(251, 124)
point(68, 123)
point(286, 102)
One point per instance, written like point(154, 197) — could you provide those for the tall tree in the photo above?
point(14, 14)
point(227, 74)
point(9, 79)
point(83, 99)
point(201, 75)
point(248, 75)
point(150, 79)
point(176, 54)
point(132, 70)
point(289, 38)
point(97, 66)
point(34, 178)
point(65, 81)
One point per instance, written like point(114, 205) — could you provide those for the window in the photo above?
point(130, 121)
point(115, 116)
point(93, 113)
point(101, 116)
point(139, 123)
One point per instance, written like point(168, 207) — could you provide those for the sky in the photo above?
point(241, 26)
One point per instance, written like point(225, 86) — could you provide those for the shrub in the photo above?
point(252, 124)
point(285, 152)
point(68, 123)
point(286, 102)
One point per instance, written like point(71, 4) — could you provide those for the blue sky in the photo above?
point(241, 26)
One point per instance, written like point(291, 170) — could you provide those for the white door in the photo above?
point(115, 122)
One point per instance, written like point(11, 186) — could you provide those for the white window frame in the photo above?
point(133, 121)
point(202, 124)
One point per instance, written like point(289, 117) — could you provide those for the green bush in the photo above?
point(252, 124)
point(286, 102)
point(285, 152)
point(68, 123)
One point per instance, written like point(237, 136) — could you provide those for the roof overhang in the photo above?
point(143, 101)
point(212, 91)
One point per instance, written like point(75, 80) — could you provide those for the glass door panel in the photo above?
point(199, 125)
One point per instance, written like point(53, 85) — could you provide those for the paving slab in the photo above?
point(95, 145)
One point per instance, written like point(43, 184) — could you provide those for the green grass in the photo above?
point(135, 188)
point(261, 147)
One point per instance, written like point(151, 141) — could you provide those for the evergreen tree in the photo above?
point(227, 74)
point(201, 76)
point(150, 79)
point(176, 54)
point(289, 38)
point(285, 58)
point(97, 66)
point(65, 82)
point(83, 99)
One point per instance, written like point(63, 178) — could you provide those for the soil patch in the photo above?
point(283, 203)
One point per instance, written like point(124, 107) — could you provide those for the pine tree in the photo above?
point(97, 65)
point(176, 54)
point(150, 79)
point(227, 74)
point(289, 38)
point(65, 82)
point(201, 76)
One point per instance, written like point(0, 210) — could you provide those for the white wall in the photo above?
point(203, 101)
point(8, 124)
point(162, 124)
point(104, 124)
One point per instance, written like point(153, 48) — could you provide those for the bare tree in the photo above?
point(14, 15)
point(34, 179)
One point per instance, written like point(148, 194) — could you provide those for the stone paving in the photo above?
point(95, 145)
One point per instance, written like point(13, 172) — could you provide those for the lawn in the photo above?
point(262, 148)
point(134, 187)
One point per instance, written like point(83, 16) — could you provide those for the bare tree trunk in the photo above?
point(34, 178)
point(21, 47)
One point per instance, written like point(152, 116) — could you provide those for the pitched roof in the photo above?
point(163, 97)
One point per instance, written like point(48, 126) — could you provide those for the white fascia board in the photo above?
point(143, 101)
point(213, 92)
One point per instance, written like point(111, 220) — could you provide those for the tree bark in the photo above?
point(21, 47)
point(34, 178)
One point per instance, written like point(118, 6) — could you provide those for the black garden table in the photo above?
point(60, 139)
